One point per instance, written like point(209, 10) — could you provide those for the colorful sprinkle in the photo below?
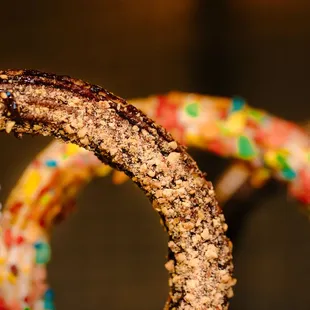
point(11, 278)
point(192, 109)
point(46, 198)
point(259, 177)
point(256, 115)
point(282, 160)
point(71, 149)
point(32, 182)
point(237, 104)
point(289, 174)
point(43, 252)
point(8, 239)
point(103, 170)
point(235, 123)
point(246, 148)
point(14, 208)
point(51, 163)
point(14, 270)
point(20, 240)
point(49, 300)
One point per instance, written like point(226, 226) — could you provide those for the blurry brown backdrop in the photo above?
point(110, 254)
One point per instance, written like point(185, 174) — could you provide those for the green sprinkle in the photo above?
point(256, 115)
point(45, 199)
point(282, 161)
point(43, 252)
point(246, 148)
point(192, 109)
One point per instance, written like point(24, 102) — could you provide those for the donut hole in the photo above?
point(111, 253)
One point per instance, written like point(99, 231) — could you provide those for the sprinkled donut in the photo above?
point(199, 259)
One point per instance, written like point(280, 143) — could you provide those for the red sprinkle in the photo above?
point(36, 163)
point(14, 270)
point(8, 240)
point(20, 240)
point(42, 222)
point(43, 191)
point(16, 207)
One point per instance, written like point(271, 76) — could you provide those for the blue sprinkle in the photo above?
point(51, 163)
point(49, 294)
point(48, 305)
point(38, 245)
point(289, 174)
point(49, 300)
point(8, 93)
point(237, 104)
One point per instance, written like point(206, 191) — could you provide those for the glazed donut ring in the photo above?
point(120, 135)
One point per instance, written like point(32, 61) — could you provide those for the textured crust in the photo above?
point(199, 259)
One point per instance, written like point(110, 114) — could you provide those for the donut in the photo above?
point(260, 143)
point(199, 253)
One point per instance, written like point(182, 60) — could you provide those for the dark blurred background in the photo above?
point(110, 254)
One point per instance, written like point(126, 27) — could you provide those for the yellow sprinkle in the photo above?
point(72, 149)
point(11, 278)
point(235, 123)
point(194, 140)
point(271, 159)
point(103, 170)
point(259, 177)
point(32, 183)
